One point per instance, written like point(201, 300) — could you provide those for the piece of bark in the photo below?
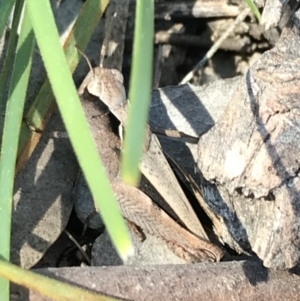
point(203, 41)
point(196, 9)
point(251, 158)
point(236, 280)
point(242, 39)
point(113, 51)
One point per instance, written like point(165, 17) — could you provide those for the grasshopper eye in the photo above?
point(117, 75)
point(95, 88)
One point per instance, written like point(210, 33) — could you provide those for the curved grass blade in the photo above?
point(46, 286)
point(44, 103)
point(13, 38)
point(11, 131)
point(254, 9)
point(76, 124)
point(140, 90)
point(5, 9)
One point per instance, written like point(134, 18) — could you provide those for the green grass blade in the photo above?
point(11, 131)
point(47, 286)
point(76, 123)
point(254, 8)
point(13, 37)
point(81, 33)
point(5, 9)
point(140, 90)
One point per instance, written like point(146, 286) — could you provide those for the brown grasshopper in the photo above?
point(107, 85)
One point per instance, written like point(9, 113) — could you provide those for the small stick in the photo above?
point(175, 134)
point(78, 246)
point(103, 50)
point(216, 46)
point(157, 67)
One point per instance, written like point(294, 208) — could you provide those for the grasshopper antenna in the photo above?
point(103, 50)
point(85, 56)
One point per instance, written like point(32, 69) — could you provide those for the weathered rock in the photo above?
point(251, 158)
point(235, 280)
point(277, 13)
